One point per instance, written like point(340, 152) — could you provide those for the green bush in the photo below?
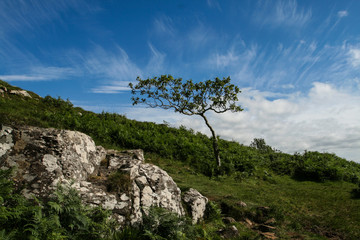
point(62, 217)
point(118, 181)
point(212, 212)
point(161, 224)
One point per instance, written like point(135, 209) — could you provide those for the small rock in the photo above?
point(269, 235)
point(271, 221)
point(228, 220)
point(249, 222)
point(229, 233)
point(263, 209)
point(241, 204)
point(266, 228)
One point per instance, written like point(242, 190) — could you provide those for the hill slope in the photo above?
point(308, 195)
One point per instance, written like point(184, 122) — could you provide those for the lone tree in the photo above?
point(188, 98)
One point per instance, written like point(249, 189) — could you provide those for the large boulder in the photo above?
point(117, 180)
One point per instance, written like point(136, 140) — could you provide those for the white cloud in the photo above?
point(30, 15)
point(354, 56)
point(164, 25)
point(289, 66)
point(110, 89)
point(41, 73)
point(200, 36)
point(325, 119)
point(342, 14)
point(114, 68)
point(289, 14)
point(156, 62)
point(10, 78)
point(214, 4)
point(282, 13)
point(226, 60)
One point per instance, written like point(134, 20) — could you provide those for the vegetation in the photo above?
point(311, 195)
point(189, 98)
point(62, 217)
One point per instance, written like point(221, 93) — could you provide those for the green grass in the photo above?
point(305, 209)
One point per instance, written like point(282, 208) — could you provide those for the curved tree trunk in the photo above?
point(215, 141)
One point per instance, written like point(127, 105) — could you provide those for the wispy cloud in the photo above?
point(156, 62)
point(354, 56)
point(30, 15)
point(342, 13)
point(225, 60)
point(199, 36)
point(113, 67)
point(110, 89)
point(289, 66)
point(214, 4)
point(24, 78)
point(164, 25)
point(41, 73)
point(282, 13)
point(25, 19)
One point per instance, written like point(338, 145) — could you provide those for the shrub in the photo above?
point(118, 181)
point(62, 217)
point(212, 212)
point(161, 224)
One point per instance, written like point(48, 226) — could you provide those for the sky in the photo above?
point(296, 62)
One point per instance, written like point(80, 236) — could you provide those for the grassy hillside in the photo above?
point(306, 196)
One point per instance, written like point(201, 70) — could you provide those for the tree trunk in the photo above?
point(215, 142)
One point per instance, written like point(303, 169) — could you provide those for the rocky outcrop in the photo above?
point(21, 93)
point(117, 180)
point(196, 204)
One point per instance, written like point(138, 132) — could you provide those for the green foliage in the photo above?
point(212, 212)
point(118, 181)
point(62, 217)
point(320, 167)
point(355, 193)
point(161, 224)
point(188, 98)
point(259, 144)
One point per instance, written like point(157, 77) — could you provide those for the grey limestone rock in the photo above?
point(196, 204)
point(117, 180)
point(22, 93)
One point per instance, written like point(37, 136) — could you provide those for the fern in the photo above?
point(7, 236)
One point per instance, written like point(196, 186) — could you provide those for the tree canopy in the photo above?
point(188, 97)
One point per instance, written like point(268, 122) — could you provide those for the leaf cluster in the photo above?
point(186, 97)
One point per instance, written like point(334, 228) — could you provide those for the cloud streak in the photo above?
point(282, 13)
point(342, 13)
point(41, 73)
point(289, 67)
point(31, 15)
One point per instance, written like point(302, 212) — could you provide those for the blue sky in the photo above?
point(297, 62)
